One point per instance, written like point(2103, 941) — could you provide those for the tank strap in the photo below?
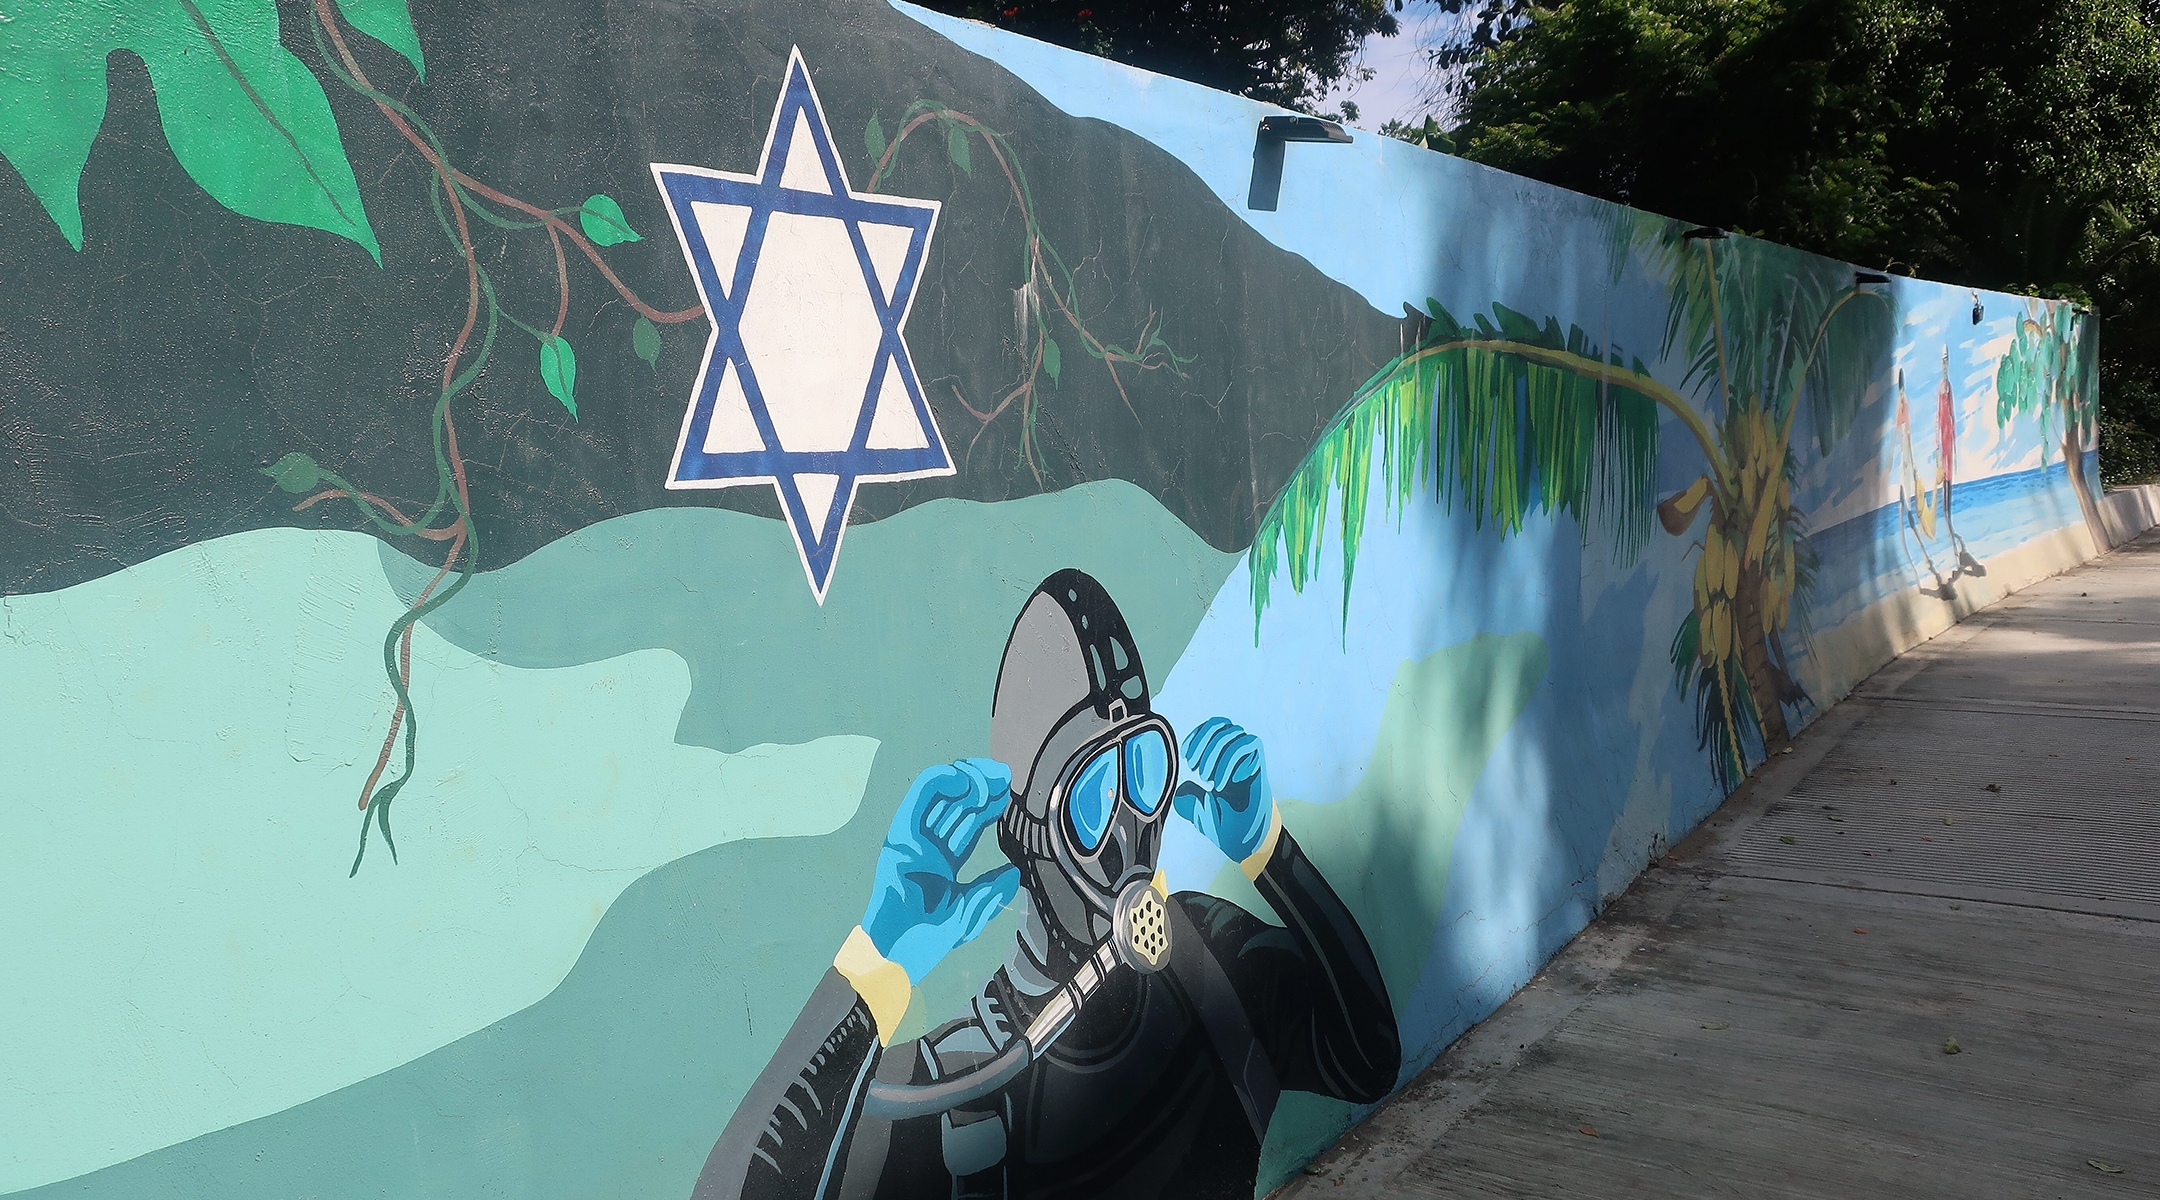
point(973, 1136)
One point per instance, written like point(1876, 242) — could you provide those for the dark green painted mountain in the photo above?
point(147, 379)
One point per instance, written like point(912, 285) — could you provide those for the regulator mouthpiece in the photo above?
point(1141, 926)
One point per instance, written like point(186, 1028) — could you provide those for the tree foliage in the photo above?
point(2012, 146)
point(1491, 23)
point(1287, 52)
point(1773, 119)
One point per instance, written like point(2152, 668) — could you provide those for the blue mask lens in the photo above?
point(1092, 798)
point(1147, 769)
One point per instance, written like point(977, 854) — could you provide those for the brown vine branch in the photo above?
point(397, 715)
point(556, 224)
point(562, 284)
point(448, 173)
point(973, 411)
point(442, 533)
point(1039, 269)
point(1037, 265)
point(443, 174)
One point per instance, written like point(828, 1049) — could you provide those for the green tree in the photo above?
point(1287, 52)
point(1490, 24)
point(1428, 134)
point(2047, 373)
point(2010, 146)
point(1769, 118)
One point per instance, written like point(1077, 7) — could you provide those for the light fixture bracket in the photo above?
point(1277, 130)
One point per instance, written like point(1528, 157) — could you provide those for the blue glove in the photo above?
point(919, 911)
point(1225, 790)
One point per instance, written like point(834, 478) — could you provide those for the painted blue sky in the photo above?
point(1864, 473)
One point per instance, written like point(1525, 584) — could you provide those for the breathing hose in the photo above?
point(903, 1101)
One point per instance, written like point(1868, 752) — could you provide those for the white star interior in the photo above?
point(807, 384)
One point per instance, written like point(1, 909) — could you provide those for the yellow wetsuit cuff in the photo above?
point(882, 983)
point(1257, 861)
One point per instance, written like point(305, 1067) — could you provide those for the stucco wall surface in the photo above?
point(633, 599)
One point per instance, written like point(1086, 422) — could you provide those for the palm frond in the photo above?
point(1724, 716)
point(1779, 326)
point(1503, 417)
point(1850, 352)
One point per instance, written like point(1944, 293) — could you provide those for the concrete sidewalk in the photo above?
point(1966, 851)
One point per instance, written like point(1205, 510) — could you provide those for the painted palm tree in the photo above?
point(2052, 368)
point(1508, 418)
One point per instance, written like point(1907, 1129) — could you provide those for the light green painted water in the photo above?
point(185, 743)
point(570, 701)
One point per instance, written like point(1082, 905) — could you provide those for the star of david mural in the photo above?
point(807, 384)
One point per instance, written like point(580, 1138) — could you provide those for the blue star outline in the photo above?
point(817, 535)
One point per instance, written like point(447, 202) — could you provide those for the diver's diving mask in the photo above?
point(1103, 814)
point(1132, 765)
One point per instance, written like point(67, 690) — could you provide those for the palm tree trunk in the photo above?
point(2074, 459)
point(1756, 663)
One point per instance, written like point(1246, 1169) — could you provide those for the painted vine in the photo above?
point(456, 196)
point(1048, 279)
point(250, 123)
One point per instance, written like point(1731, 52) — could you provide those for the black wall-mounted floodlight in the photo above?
point(1267, 153)
point(1979, 312)
point(1708, 233)
point(1864, 278)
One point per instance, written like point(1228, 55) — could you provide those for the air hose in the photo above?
point(1140, 939)
point(903, 1101)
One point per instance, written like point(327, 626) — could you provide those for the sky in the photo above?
point(1399, 74)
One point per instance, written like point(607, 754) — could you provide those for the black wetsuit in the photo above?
point(1133, 1101)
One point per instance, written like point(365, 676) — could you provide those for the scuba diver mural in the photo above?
point(1134, 1043)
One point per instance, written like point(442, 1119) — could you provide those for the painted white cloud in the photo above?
point(185, 742)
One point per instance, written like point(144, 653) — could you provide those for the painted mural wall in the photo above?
point(798, 599)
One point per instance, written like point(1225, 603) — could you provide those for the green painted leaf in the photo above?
point(295, 473)
point(957, 146)
point(558, 370)
point(645, 339)
point(246, 119)
point(1053, 358)
point(1511, 427)
point(873, 139)
point(388, 22)
point(251, 125)
point(52, 100)
point(603, 221)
